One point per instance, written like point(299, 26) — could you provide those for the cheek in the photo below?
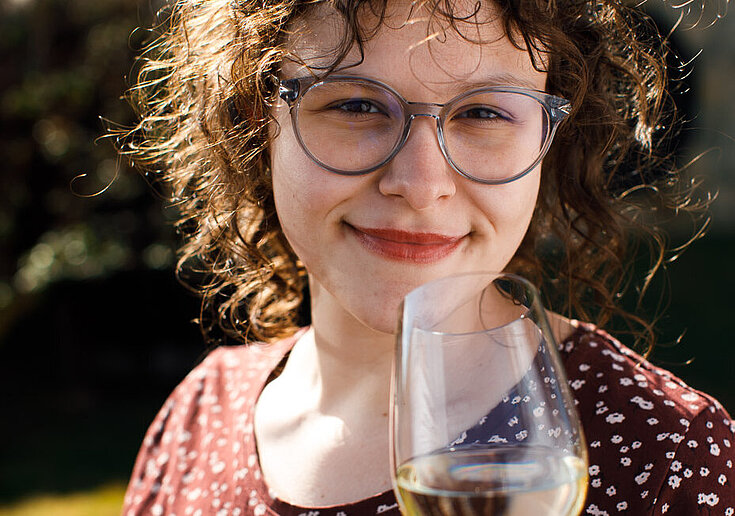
point(308, 199)
point(298, 182)
point(508, 210)
point(510, 207)
point(291, 190)
point(295, 197)
point(526, 203)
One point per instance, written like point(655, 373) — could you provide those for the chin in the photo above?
point(387, 325)
point(383, 320)
point(380, 308)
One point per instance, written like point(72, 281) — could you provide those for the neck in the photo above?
point(342, 358)
point(333, 394)
point(342, 337)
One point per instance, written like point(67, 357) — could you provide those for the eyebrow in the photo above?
point(460, 86)
point(501, 79)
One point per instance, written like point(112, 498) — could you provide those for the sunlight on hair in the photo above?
point(697, 13)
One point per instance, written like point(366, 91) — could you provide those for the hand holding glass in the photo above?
point(483, 420)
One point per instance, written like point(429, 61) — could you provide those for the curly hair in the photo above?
point(204, 92)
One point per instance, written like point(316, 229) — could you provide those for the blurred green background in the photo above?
point(94, 329)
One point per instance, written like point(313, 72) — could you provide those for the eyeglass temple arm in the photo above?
point(559, 108)
point(289, 90)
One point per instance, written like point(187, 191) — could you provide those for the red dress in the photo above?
point(656, 446)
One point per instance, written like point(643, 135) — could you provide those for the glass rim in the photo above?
point(555, 109)
point(535, 306)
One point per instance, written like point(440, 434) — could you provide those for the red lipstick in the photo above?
point(406, 246)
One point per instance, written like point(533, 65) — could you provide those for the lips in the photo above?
point(406, 246)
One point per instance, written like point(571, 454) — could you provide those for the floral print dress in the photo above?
point(656, 446)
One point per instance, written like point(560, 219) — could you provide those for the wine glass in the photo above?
point(483, 422)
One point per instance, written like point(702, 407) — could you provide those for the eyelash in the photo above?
point(493, 114)
point(359, 103)
point(347, 107)
point(497, 115)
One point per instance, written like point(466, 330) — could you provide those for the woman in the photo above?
point(282, 128)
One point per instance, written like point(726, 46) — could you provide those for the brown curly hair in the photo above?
point(204, 92)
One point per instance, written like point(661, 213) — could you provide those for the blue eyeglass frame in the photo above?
point(556, 110)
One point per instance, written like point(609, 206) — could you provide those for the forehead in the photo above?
point(412, 44)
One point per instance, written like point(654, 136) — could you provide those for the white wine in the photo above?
point(514, 481)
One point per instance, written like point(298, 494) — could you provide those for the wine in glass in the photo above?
point(483, 422)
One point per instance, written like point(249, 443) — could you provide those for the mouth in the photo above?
point(407, 246)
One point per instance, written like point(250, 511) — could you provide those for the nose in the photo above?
point(419, 173)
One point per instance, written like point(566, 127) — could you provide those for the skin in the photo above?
point(334, 390)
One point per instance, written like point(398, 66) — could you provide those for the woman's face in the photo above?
point(368, 240)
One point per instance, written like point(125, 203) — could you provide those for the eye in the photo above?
point(357, 106)
point(481, 113)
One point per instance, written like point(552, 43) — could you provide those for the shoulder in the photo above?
point(229, 367)
point(231, 371)
point(595, 361)
point(195, 440)
point(645, 424)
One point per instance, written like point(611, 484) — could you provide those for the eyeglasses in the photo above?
point(353, 126)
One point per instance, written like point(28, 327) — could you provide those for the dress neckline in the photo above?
point(251, 457)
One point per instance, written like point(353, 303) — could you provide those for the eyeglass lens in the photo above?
point(354, 126)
